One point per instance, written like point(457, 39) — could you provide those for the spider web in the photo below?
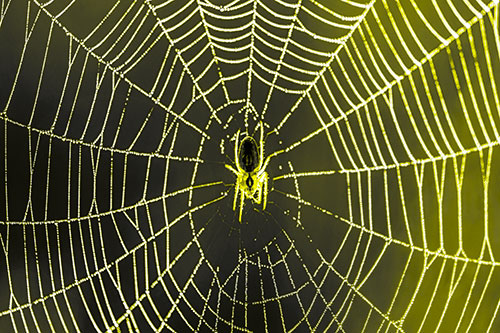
point(118, 120)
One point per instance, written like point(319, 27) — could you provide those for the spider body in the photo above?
point(250, 171)
point(248, 154)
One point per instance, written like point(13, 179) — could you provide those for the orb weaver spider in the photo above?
point(251, 175)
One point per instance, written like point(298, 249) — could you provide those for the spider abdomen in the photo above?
point(248, 154)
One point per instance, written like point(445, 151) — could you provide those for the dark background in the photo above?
point(116, 207)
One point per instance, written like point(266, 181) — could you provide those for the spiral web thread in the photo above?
point(404, 100)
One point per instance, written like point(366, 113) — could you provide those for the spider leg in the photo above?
point(242, 202)
point(265, 180)
point(260, 194)
point(236, 191)
point(261, 141)
point(233, 170)
point(264, 166)
point(236, 147)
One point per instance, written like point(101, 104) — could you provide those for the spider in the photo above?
point(251, 175)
